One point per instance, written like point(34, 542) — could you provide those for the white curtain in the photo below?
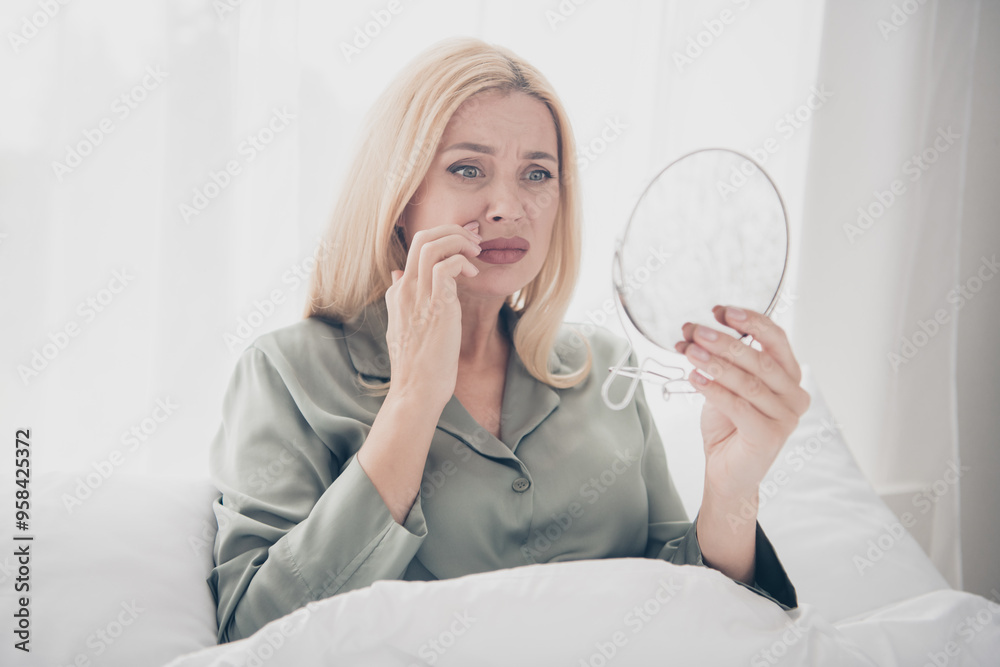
point(884, 212)
point(167, 167)
point(197, 149)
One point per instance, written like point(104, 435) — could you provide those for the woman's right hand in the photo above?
point(424, 332)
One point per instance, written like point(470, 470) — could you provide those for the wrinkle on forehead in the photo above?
point(524, 120)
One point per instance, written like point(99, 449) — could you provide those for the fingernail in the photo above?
point(707, 334)
point(699, 353)
point(472, 227)
point(736, 313)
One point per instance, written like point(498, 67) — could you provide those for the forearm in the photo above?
point(726, 537)
point(395, 452)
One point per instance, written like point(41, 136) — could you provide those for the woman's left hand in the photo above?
point(751, 406)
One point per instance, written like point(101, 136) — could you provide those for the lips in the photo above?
point(503, 250)
point(513, 243)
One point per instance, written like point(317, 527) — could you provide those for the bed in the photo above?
point(119, 579)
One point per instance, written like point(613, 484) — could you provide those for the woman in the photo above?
point(431, 417)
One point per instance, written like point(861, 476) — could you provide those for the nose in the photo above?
point(504, 202)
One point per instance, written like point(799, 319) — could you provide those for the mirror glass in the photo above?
point(711, 228)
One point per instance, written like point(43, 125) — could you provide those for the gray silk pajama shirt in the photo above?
point(299, 519)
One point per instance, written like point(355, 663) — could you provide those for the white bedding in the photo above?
point(624, 612)
point(131, 563)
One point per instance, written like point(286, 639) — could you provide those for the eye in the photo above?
point(543, 174)
point(464, 171)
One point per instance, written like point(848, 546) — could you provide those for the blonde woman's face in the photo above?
point(496, 164)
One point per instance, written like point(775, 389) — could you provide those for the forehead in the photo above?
point(502, 120)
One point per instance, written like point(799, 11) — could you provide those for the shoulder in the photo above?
point(304, 351)
point(298, 381)
point(300, 340)
point(608, 349)
point(575, 339)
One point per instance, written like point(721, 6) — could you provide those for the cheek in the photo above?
point(544, 236)
point(439, 208)
point(547, 219)
point(541, 204)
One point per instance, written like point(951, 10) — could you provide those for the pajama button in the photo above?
point(520, 484)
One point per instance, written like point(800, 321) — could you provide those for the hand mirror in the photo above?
point(710, 229)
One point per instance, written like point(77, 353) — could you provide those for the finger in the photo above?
point(758, 363)
point(736, 351)
point(429, 250)
point(755, 427)
point(425, 236)
point(739, 382)
point(444, 288)
point(390, 292)
point(770, 336)
point(720, 314)
point(438, 250)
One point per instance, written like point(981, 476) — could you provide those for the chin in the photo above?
point(498, 284)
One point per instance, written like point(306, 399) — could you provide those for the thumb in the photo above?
point(396, 274)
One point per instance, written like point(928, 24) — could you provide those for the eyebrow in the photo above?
point(488, 150)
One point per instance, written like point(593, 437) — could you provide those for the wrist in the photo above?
point(738, 514)
point(727, 540)
point(742, 498)
point(415, 400)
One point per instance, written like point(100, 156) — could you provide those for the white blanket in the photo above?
point(598, 613)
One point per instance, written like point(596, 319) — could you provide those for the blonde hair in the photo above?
point(363, 243)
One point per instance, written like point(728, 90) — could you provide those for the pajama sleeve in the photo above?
point(296, 524)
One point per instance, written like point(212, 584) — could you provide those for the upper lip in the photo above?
point(500, 243)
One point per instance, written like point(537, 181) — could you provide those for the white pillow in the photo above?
point(823, 517)
point(120, 579)
point(844, 548)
